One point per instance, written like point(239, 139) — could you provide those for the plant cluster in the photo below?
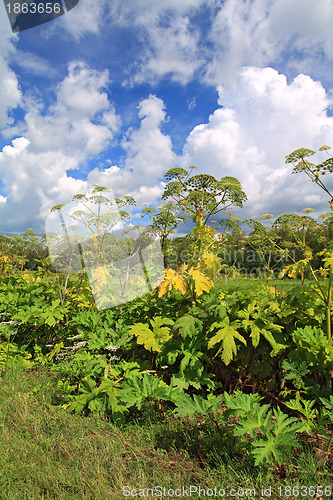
point(256, 364)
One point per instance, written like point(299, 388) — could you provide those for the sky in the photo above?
point(115, 93)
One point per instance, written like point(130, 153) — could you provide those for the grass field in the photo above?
point(46, 453)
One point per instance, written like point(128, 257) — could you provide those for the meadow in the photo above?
point(219, 378)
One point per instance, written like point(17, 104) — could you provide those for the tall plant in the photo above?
point(200, 197)
point(316, 172)
point(96, 215)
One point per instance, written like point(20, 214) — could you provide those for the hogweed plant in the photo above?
point(316, 172)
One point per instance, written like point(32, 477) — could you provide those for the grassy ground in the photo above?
point(46, 453)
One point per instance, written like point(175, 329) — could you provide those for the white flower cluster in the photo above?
point(77, 346)
point(114, 358)
point(74, 338)
point(112, 348)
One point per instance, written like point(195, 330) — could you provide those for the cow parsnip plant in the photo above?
point(316, 172)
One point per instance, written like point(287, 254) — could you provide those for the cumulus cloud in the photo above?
point(294, 35)
point(76, 127)
point(209, 39)
point(171, 50)
point(149, 155)
point(239, 33)
point(262, 120)
point(81, 122)
point(10, 94)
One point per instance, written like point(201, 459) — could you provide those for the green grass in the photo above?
point(46, 453)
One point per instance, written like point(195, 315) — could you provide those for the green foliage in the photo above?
point(259, 318)
point(296, 372)
point(187, 406)
point(152, 340)
point(307, 410)
point(273, 434)
point(278, 441)
point(188, 326)
point(225, 336)
point(189, 346)
point(313, 346)
point(149, 388)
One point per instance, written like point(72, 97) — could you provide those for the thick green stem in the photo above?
point(328, 306)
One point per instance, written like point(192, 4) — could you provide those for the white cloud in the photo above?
point(34, 64)
point(170, 50)
point(149, 150)
point(265, 119)
point(311, 22)
point(240, 34)
point(81, 123)
point(78, 126)
point(209, 39)
point(167, 41)
point(10, 94)
point(149, 155)
point(132, 11)
point(296, 35)
point(191, 103)
point(85, 19)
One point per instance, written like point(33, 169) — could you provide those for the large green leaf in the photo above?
point(152, 340)
point(188, 407)
point(188, 326)
point(226, 336)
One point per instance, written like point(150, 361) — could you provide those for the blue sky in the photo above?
point(115, 93)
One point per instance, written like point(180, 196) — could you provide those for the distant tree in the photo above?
point(164, 221)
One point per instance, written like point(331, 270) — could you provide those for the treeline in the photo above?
point(19, 253)
point(268, 249)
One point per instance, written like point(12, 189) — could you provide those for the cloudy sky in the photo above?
point(117, 92)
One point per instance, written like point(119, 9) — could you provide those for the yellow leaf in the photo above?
point(201, 282)
point(210, 265)
point(27, 278)
point(101, 277)
point(171, 279)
